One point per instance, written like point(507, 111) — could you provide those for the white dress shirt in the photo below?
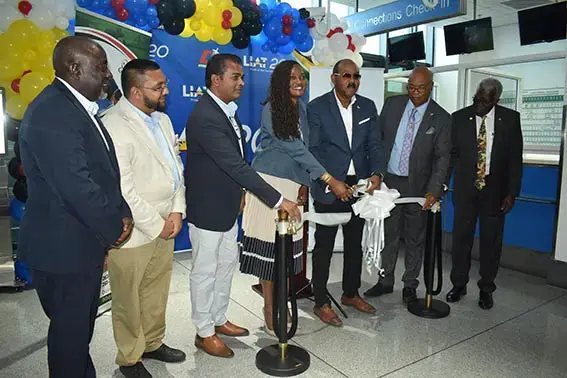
point(230, 111)
point(489, 123)
point(90, 107)
point(346, 115)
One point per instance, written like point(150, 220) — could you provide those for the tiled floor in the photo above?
point(524, 335)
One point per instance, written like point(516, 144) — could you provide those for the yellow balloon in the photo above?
point(222, 36)
point(45, 42)
point(226, 4)
point(23, 32)
point(195, 25)
point(8, 70)
point(213, 16)
point(59, 34)
point(42, 63)
point(215, 2)
point(31, 85)
point(187, 31)
point(204, 34)
point(236, 16)
point(16, 107)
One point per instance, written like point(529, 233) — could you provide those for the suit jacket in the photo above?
point(147, 180)
point(288, 158)
point(74, 209)
point(506, 162)
point(216, 172)
point(431, 151)
point(329, 143)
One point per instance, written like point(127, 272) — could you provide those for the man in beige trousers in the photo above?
point(152, 184)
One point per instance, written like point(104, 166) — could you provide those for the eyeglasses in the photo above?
point(417, 88)
point(159, 89)
point(348, 75)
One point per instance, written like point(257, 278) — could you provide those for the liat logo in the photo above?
point(193, 91)
point(205, 56)
point(255, 62)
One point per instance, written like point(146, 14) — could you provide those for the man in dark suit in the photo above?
point(417, 141)
point(216, 175)
point(487, 162)
point(75, 211)
point(344, 140)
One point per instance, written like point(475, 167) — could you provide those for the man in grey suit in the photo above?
point(417, 142)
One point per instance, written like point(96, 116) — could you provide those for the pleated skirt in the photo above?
point(259, 228)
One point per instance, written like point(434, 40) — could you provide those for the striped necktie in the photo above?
point(408, 143)
point(480, 181)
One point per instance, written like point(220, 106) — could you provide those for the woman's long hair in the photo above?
point(285, 114)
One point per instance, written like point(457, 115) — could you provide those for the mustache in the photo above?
point(351, 85)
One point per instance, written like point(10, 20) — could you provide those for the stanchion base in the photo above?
point(438, 309)
point(269, 362)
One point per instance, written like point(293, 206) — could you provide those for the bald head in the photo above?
point(420, 84)
point(82, 63)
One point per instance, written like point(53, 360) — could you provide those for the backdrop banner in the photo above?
point(183, 61)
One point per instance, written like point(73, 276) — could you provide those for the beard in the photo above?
point(154, 105)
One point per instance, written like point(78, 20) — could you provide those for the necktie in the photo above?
point(406, 147)
point(479, 183)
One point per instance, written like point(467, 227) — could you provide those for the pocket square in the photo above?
point(364, 120)
point(431, 130)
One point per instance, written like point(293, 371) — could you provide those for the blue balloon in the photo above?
point(283, 8)
point(140, 21)
point(154, 22)
point(287, 49)
point(110, 13)
point(306, 45)
point(273, 28)
point(107, 4)
point(264, 7)
point(275, 49)
point(268, 3)
point(283, 39)
point(17, 209)
point(84, 3)
point(96, 4)
point(136, 6)
point(259, 39)
point(151, 11)
point(300, 34)
point(295, 13)
point(266, 47)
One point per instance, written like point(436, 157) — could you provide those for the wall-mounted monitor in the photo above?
point(406, 48)
point(543, 24)
point(468, 37)
point(2, 121)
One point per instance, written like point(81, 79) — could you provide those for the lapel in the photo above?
point(339, 124)
point(242, 137)
point(227, 122)
point(303, 124)
point(108, 152)
point(141, 129)
point(471, 131)
point(497, 130)
point(426, 122)
point(357, 130)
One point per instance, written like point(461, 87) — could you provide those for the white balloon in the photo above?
point(61, 23)
point(338, 42)
point(335, 22)
point(323, 43)
point(357, 59)
point(358, 40)
point(344, 25)
point(316, 35)
point(8, 14)
point(42, 18)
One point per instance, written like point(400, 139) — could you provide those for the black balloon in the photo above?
point(240, 39)
point(166, 11)
point(175, 27)
point(251, 15)
point(20, 190)
point(252, 27)
point(14, 168)
point(12, 128)
point(185, 8)
point(17, 149)
point(304, 13)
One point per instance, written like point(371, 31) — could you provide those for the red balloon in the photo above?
point(226, 15)
point(339, 30)
point(330, 33)
point(25, 7)
point(287, 19)
point(16, 85)
point(118, 4)
point(226, 24)
point(351, 47)
point(26, 72)
point(21, 170)
point(349, 37)
point(154, 2)
point(287, 30)
point(122, 14)
point(310, 23)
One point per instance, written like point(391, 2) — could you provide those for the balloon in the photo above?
point(16, 107)
point(266, 46)
point(222, 36)
point(185, 8)
point(212, 17)
point(117, 4)
point(195, 24)
point(338, 42)
point(165, 11)
point(252, 27)
point(9, 70)
point(205, 33)
point(61, 23)
point(136, 6)
point(23, 32)
point(175, 27)
point(8, 14)
point(236, 16)
point(187, 30)
point(154, 22)
point(273, 28)
point(122, 14)
point(151, 11)
point(300, 33)
point(283, 7)
point(110, 13)
point(283, 39)
point(259, 39)
point(31, 85)
point(357, 59)
point(287, 49)
point(306, 45)
point(59, 34)
point(42, 17)
point(25, 7)
point(45, 43)
point(358, 40)
point(240, 39)
point(268, 3)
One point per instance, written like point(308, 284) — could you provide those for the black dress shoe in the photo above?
point(135, 371)
point(378, 290)
point(165, 354)
point(485, 300)
point(409, 294)
point(455, 294)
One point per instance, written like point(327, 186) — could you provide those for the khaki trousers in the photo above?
point(139, 280)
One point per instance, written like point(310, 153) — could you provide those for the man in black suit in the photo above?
point(417, 141)
point(487, 162)
point(344, 139)
point(75, 211)
point(216, 175)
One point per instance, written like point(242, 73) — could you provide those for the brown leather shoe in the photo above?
point(358, 303)
point(213, 346)
point(327, 315)
point(230, 329)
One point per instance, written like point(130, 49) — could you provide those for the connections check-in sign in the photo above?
point(402, 14)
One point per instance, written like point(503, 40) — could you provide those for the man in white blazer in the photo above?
point(152, 184)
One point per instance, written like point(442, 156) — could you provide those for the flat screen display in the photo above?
point(468, 37)
point(543, 24)
point(406, 48)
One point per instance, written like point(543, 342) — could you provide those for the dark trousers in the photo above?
point(70, 301)
point(407, 221)
point(324, 245)
point(486, 206)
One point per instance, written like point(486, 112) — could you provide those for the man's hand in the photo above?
point(375, 182)
point(340, 189)
point(168, 229)
point(302, 195)
point(291, 209)
point(507, 204)
point(177, 221)
point(430, 200)
point(126, 231)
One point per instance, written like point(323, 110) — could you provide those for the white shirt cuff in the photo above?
point(279, 203)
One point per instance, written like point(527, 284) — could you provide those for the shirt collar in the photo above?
point(352, 100)
point(152, 118)
point(90, 106)
point(419, 109)
point(229, 109)
point(490, 114)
